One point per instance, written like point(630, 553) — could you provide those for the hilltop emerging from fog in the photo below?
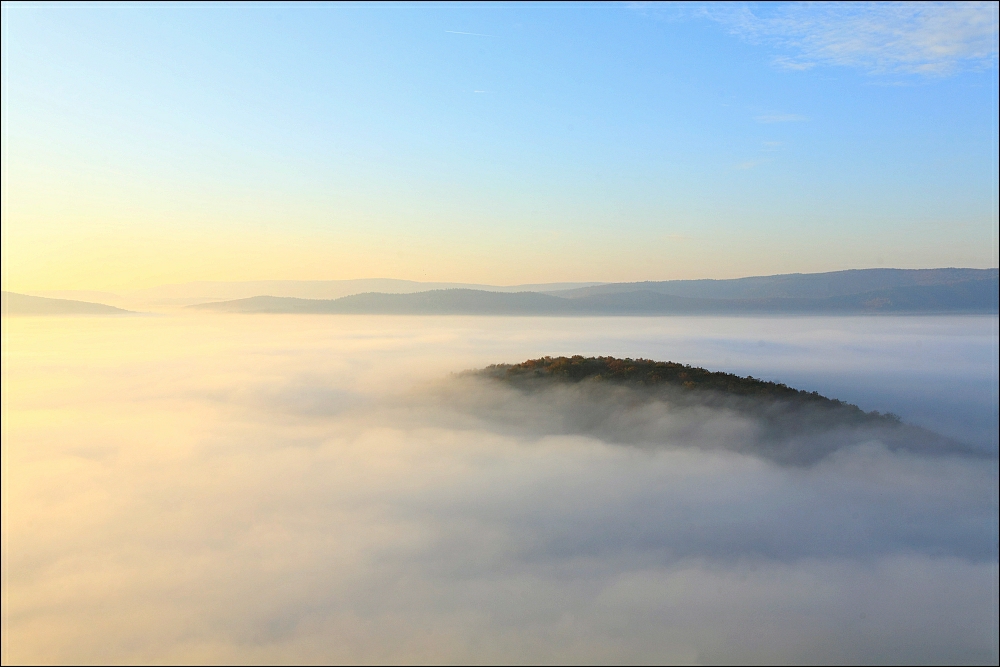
point(656, 404)
point(651, 374)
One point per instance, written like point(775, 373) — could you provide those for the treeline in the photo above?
point(653, 373)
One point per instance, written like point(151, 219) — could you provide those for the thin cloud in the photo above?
point(780, 118)
point(474, 34)
point(935, 38)
point(742, 166)
point(785, 62)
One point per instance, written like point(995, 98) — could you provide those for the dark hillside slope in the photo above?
point(648, 373)
point(968, 296)
point(655, 404)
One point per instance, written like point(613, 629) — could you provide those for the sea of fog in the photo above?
point(219, 488)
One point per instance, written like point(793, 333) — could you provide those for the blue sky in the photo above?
point(494, 143)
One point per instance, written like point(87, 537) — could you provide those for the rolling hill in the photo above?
point(22, 304)
point(978, 295)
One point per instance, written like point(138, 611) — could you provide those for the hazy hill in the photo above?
point(788, 286)
point(185, 294)
point(793, 285)
point(22, 304)
point(200, 292)
point(434, 302)
point(969, 296)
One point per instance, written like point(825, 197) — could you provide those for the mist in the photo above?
point(333, 489)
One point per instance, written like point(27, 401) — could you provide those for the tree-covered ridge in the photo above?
point(665, 373)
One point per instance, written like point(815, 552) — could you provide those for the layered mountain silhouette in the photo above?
point(793, 285)
point(841, 292)
point(185, 294)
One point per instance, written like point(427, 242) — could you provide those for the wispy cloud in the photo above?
point(750, 164)
point(474, 34)
point(880, 37)
point(780, 118)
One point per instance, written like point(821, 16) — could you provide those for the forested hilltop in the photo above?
point(657, 404)
point(648, 373)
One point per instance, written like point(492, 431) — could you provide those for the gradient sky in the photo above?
point(146, 144)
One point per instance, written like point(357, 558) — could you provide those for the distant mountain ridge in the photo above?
point(796, 285)
point(792, 285)
point(929, 291)
point(185, 294)
point(946, 290)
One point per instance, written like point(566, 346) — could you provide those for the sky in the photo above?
point(493, 143)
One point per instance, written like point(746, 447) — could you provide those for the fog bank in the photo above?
point(212, 489)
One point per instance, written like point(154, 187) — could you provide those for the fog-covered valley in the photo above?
point(206, 488)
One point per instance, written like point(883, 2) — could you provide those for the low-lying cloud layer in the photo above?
point(211, 489)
